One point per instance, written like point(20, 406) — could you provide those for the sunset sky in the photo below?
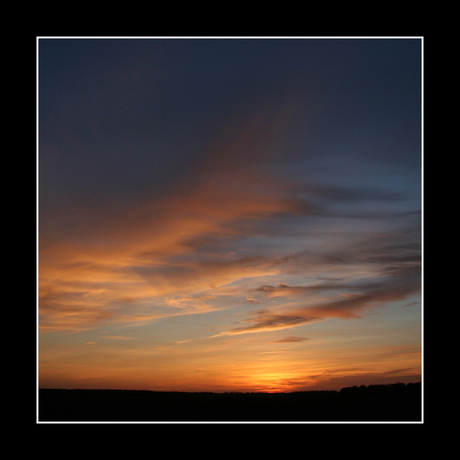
point(229, 214)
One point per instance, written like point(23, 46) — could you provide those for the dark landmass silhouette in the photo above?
point(396, 402)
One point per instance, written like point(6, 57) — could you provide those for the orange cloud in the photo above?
point(264, 320)
point(95, 260)
point(349, 304)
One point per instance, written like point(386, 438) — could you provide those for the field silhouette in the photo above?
point(386, 403)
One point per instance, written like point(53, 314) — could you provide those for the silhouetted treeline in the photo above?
point(390, 389)
point(394, 402)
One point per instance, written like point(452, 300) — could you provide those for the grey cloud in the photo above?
point(176, 274)
point(292, 340)
point(342, 194)
point(350, 300)
point(350, 305)
point(394, 252)
point(265, 320)
point(283, 289)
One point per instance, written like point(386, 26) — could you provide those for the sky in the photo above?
point(229, 213)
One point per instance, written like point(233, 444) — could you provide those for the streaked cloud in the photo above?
point(292, 340)
point(265, 320)
point(118, 337)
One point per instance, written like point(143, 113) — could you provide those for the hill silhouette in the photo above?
point(374, 403)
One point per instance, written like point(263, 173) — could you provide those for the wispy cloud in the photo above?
point(251, 299)
point(118, 337)
point(291, 340)
point(386, 271)
point(265, 320)
point(351, 304)
point(285, 290)
point(154, 248)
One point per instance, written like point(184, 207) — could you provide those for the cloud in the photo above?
point(143, 247)
point(291, 340)
point(84, 286)
point(195, 276)
point(264, 320)
point(225, 218)
point(251, 299)
point(57, 317)
point(284, 290)
point(347, 299)
point(351, 305)
point(118, 337)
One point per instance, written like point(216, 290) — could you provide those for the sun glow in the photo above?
point(273, 382)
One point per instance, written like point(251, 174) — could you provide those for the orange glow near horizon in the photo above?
point(235, 364)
